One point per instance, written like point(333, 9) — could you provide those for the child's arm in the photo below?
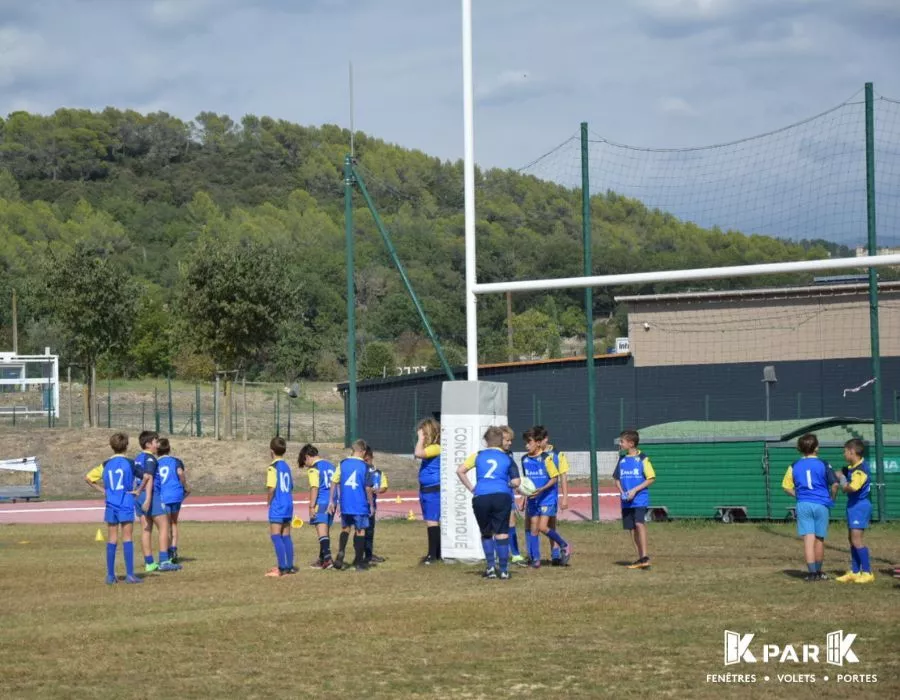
point(370, 498)
point(94, 479)
point(271, 483)
point(564, 481)
point(787, 483)
point(146, 485)
point(184, 484)
point(646, 483)
point(546, 487)
point(335, 491)
point(462, 473)
point(419, 451)
point(384, 483)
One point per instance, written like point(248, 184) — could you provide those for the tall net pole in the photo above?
point(589, 320)
point(351, 302)
point(469, 180)
point(873, 304)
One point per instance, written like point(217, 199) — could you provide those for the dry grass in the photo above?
point(219, 628)
point(214, 467)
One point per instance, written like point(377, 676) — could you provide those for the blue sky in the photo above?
point(643, 72)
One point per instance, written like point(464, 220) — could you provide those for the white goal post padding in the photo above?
point(467, 410)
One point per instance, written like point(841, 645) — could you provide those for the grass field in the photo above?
point(220, 629)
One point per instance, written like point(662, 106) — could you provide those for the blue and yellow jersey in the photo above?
point(147, 463)
point(320, 475)
point(379, 480)
point(117, 476)
point(859, 481)
point(632, 471)
point(540, 469)
point(494, 469)
point(279, 478)
point(810, 478)
point(430, 467)
point(559, 459)
point(139, 460)
point(352, 478)
point(171, 489)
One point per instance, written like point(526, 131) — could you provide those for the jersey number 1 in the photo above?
point(809, 479)
point(113, 484)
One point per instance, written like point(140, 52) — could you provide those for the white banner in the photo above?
point(24, 464)
point(467, 410)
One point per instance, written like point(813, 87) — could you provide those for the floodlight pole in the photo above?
point(469, 182)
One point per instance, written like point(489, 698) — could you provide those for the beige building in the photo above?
point(760, 325)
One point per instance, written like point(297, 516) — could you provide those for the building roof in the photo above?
point(833, 430)
point(764, 292)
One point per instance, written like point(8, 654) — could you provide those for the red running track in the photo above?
point(253, 508)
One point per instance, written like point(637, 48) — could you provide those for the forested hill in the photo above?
point(159, 205)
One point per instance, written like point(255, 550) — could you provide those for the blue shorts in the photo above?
point(322, 517)
point(115, 515)
point(812, 519)
point(534, 507)
point(172, 508)
point(360, 522)
point(156, 507)
point(430, 502)
point(859, 515)
point(280, 521)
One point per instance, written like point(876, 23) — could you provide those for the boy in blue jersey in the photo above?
point(495, 474)
point(320, 472)
point(812, 482)
point(562, 466)
point(516, 556)
point(115, 480)
point(149, 499)
point(353, 490)
point(379, 486)
point(855, 481)
point(173, 490)
point(634, 475)
point(280, 498)
point(428, 449)
point(541, 505)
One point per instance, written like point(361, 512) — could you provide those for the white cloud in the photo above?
point(677, 106)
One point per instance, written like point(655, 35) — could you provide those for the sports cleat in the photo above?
point(489, 573)
point(865, 577)
point(518, 560)
point(292, 570)
point(555, 562)
point(849, 577)
point(566, 555)
point(822, 575)
point(811, 578)
point(504, 576)
point(642, 563)
point(175, 559)
point(427, 561)
point(150, 568)
point(274, 572)
point(327, 564)
point(169, 566)
point(375, 559)
point(535, 564)
point(111, 580)
point(133, 579)
point(339, 561)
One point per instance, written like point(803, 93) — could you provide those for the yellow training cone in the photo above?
point(99, 536)
point(411, 516)
point(297, 522)
point(398, 499)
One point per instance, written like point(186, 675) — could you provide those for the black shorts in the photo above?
point(633, 516)
point(492, 513)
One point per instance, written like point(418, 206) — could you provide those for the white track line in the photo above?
point(223, 504)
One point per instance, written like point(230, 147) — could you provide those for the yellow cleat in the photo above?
point(865, 577)
point(849, 577)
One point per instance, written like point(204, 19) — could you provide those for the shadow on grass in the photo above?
point(830, 547)
point(795, 573)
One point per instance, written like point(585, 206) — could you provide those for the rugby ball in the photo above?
point(527, 487)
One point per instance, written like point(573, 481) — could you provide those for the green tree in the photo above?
point(230, 299)
point(376, 360)
point(93, 300)
point(535, 334)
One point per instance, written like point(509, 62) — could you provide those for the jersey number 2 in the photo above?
point(489, 474)
point(113, 484)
